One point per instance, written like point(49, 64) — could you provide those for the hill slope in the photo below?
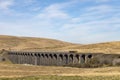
point(30, 43)
point(20, 43)
point(115, 45)
point(107, 47)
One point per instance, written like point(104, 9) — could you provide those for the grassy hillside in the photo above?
point(113, 45)
point(108, 47)
point(29, 43)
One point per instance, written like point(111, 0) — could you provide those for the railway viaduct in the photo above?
point(59, 58)
point(48, 58)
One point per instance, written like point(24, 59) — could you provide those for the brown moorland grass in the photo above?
point(16, 70)
point(106, 47)
point(65, 78)
point(29, 43)
point(37, 44)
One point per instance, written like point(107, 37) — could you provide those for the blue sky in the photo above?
point(77, 21)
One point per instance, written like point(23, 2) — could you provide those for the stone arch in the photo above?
point(14, 59)
point(46, 55)
point(50, 59)
point(46, 59)
point(35, 54)
point(35, 59)
point(42, 59)
point(39, 59)
point(28, 57)
point(39, 55)
point(17, 58)
point(31, 54)
point(42, 55)
point(32, 58)
point(83, 58)
point(51, 55)
point(20, 58)
point(55, 56)
point(24, 56)
point(90, 56)
point(55, 59)
point(76, 59)
point(71, 59)
point(60, 59)
point(65, 59)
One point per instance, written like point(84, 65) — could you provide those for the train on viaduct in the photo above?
point(58, 58)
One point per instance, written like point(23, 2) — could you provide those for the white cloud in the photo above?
point(97, 1)
point(92, 32)
point(5, 4)
point(102, 8)
point(102, 0)
point(27, 29)
point(36, 9)
point(28, 1)
point(53, 12)
point(24, 3)
point(95, 24)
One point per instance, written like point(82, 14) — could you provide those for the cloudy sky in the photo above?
point(77, 21)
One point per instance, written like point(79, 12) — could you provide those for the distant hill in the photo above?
point(30, 43)
point(106, 47)
point(114, 45)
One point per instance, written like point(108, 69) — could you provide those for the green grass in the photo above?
point(66, 78)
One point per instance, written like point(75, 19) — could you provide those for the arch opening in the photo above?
point(66, 58)
point(46, 55)
point(55, 56)
point(77, 56)
point(61, 57)
point(83, 58)
point(71, 59)
point(90, 56)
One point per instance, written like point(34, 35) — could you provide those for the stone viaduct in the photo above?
point(49, 58)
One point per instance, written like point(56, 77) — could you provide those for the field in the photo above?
point(66, 78)
point(10, 71)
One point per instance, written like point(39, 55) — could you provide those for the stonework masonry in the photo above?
point(59, 58)
point(48, 58)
